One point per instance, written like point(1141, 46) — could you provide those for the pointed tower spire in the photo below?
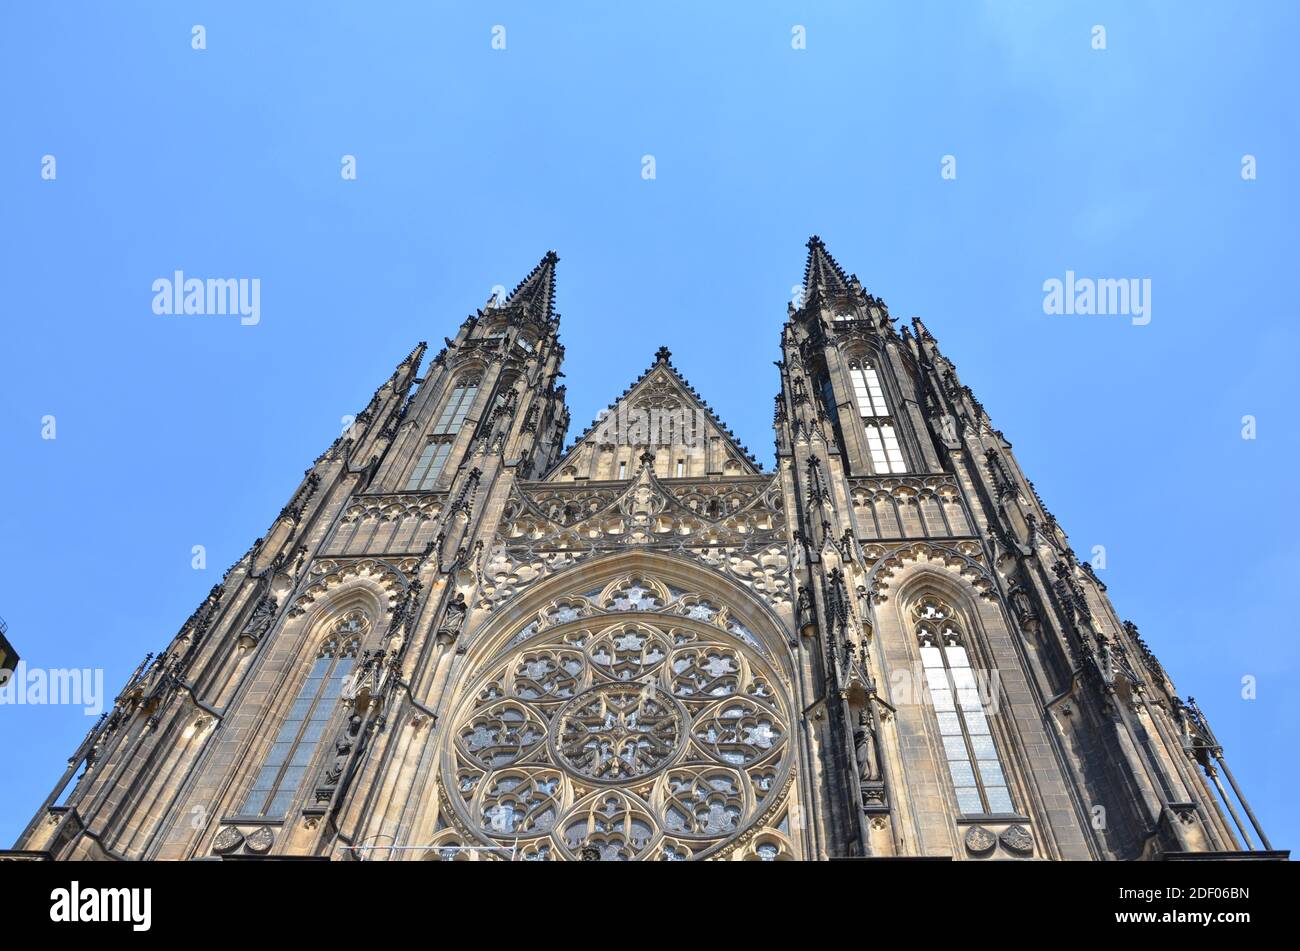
point(413, 358)
point(822, 272)
point(535, 294)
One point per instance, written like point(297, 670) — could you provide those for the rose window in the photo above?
point(652, 732)
point(612, 733)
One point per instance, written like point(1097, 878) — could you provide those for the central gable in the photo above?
point(660, 414)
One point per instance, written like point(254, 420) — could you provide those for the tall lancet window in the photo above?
point(300, 734)
point(828, 398)
point(882, 440)
point(971, 754)
point(458, 404)
point(430, 464)
point(866, 387)
point(434, 455)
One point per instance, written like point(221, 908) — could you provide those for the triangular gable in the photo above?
point(660, 413)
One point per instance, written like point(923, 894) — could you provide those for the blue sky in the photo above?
point(472, 162)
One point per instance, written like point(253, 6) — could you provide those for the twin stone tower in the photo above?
point(463, 640)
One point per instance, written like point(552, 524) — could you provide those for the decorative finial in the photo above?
point(662, 355)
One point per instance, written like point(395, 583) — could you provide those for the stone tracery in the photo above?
point(632, 722)
point(736, 527)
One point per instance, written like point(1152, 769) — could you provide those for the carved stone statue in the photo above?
point(864, 743)
point(864, 603)
point(453, 619)
point(1023, 606)
point(800, 552)
point(260, 622)
point(342, 750)
point(804, 616)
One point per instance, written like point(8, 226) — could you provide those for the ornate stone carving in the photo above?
point(330, 573)
point(980, 841)
point(637, 593)
point(227, 840)
point(964, 558)
point(737, 527)
point(654, 731)
point(1017, 839)
point(260, 840)
point(613, 733)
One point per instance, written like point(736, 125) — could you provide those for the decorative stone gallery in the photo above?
point(463, 639)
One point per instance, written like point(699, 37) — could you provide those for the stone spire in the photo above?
point(534, 297)
point(822, 272)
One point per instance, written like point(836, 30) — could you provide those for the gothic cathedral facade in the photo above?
point(462, 639)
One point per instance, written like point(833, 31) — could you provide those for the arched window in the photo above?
point(972, 755)
point(882, 440)
point(300, 734)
